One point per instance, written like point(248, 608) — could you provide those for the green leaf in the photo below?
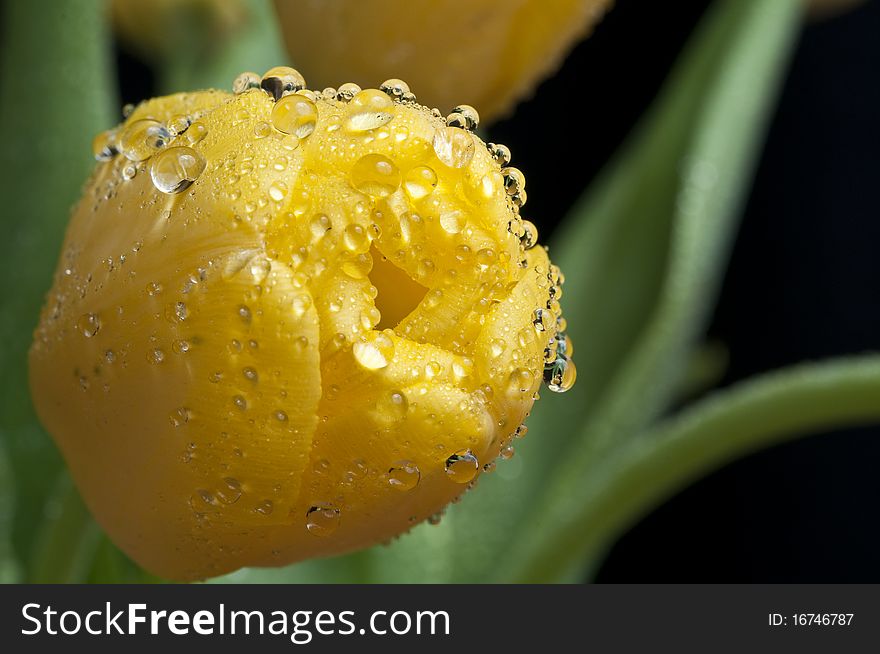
point(10, 570)
point(635, 477)
point(643, 253)
point(56, 93)
point(199, 62)
point(68, 538)
point(732, 73)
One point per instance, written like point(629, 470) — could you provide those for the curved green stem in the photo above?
point(638, 475)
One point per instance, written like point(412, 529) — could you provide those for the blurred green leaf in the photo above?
point(640, 474)
point(199, 62)
point(643, 253)
point(733, 75)
point(10, 570)
point(56, 93)
point(68, 538)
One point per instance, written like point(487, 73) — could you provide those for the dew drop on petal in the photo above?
point(454, 147)
point(175, 169)
point(462, 466)
point(322, 519)
point(89, 324)
point(404, 475)
point(295, 114)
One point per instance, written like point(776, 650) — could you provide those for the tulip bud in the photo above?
point(288, 323)
point(488, 53)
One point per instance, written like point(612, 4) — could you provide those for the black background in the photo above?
point(804, 283)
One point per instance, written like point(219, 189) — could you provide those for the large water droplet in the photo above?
point(374, 351)
point(368, 110)
point(295, 114)
point(142, 139)
point(104, 146)
point(420, 182)
point(229, 491)
point(454, 147)
point(281, 81)
point(560, 375)
point(322, 519)
point(376, 175)
point(404, 475)
point(89, 324)
point(175, 169)
point(245, 81)
point(462, 466)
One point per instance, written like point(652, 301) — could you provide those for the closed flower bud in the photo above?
point(487, 53)
point(287, 325)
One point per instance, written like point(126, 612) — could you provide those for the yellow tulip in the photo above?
point(487, 53)
point(288, 324)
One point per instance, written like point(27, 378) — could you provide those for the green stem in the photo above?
point(629, 481)
point(68, 540)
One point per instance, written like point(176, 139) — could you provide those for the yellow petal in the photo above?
point(291, 327)
point(485, 53)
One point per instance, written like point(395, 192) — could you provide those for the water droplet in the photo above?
point(356, 238)
point(322, 519)
point(462, 466)
point(207, 497)
point(560, 375)
point(265, 507)
point(300, 304)
point(176, 168)
point(514, 180)
point(177, 125)
point(376, 175)
point(280, 416)
point(374, 351)
point(176, 312)
point(454, 147)
point(196, 133)
point(543, 320)
point(142, 139)
point(404, 475)
point(420, 182)
point(464, 116)
point(129, 171)
point(180, 347)
point(259, 268)
point(104, 146)
point(368, 110)
point(239, 401)
point(521, 380)
point(452, 222)
point(500, 153)
point(393, 406)
point(319, 225)
point(180, 416)
point(250, 374)
point(295, 114)
point(529, 238)
point(230, 491)
point(127, 110)
point(506, 452)
point(244, 313)
point(155, 356)
point(244, 82)
point(281, 81)
point(347, 91)
point(277, 191)
point(395, 88)
point(89, 324)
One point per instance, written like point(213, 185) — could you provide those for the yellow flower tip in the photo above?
point(491, 54)
point(288, 323)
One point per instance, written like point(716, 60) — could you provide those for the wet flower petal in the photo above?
point(287, 302)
